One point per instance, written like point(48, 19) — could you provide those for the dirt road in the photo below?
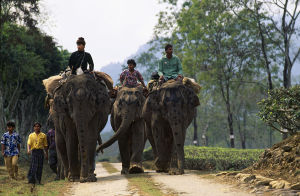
point(188, 185)
point(107, 184)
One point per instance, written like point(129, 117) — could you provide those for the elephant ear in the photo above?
point(154, 99)
point(103, 102)
point(191, 97)
point(151, 104)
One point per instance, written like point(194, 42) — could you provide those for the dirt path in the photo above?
point(188, 184)
point(107, 184)
point(193, 185)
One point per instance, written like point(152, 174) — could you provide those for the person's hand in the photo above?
point(29, 152)
point(161, 77)
point(2, 153)
point(179, 78)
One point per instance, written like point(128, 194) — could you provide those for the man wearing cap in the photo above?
point(36, 146)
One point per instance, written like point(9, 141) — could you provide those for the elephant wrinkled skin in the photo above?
point(126, 121)
point(168, 112)
point(80, 111)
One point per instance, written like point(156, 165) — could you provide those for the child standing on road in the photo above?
point(10, 148)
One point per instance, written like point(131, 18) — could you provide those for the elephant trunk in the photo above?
point(126, 122)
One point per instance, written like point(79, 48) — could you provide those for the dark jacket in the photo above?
point(76, 59)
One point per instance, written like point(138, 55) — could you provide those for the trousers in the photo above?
point(11, 163)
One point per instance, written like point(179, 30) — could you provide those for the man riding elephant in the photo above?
point(79, 59)
point(169, 66)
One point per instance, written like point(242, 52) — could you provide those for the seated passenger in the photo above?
point(130, 77)
point(154, 82)
point(169, 66)
point(78, 60)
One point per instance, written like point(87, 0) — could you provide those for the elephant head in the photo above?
point(126, 109)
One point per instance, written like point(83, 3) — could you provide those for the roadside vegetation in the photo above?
point(213, 158)
point(21, 187)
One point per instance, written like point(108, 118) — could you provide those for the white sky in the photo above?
point(113, 29)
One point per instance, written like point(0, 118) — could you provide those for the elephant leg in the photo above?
point(124, 147)
point(91, 158)
point(163, 142)
point(149, 136)
point(61, 149)
point(177, 160)
point(72, 148)
point(137, 146)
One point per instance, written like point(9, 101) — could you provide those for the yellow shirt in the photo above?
point(37, 141)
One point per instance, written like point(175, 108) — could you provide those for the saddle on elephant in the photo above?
point(54, 82)
point(188, 82)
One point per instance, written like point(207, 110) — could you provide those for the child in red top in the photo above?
point(130, 76)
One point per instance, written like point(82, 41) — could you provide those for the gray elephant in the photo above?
point(168, 112)
point(80, 108)
point(129, 128)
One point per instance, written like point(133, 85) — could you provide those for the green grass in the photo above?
point(21, 187)
point(145, 185)
point(141, 182)
point(213, 158)
point(109, 167)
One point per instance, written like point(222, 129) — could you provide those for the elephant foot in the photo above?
point(125, 171)
point(73, 178)
point(176, 171)
point(90, 178)
point(162, 170)
point(136, 169)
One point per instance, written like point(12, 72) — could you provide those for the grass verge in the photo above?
point(21, 187)
point(145, 185)
point(109, 167)
point(142, 183)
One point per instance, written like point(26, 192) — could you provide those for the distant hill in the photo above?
point(114, 69)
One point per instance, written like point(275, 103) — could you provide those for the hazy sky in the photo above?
point(113, 29)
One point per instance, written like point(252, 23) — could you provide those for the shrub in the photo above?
point(213, 158)
point(281, 110)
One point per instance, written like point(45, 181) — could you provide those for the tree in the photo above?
point(27, 57)
point(281, 110)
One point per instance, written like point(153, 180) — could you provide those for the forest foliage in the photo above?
point(237, 50)
point(28, 56)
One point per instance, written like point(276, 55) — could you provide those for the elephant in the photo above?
point(168, 111)
point(80, 108)
point(129, 128)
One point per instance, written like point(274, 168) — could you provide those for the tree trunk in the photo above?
point(2, 114)
point(244, 129)
point(263, 48)
point(230, 124)
point(204, 135)
point(195, 140)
